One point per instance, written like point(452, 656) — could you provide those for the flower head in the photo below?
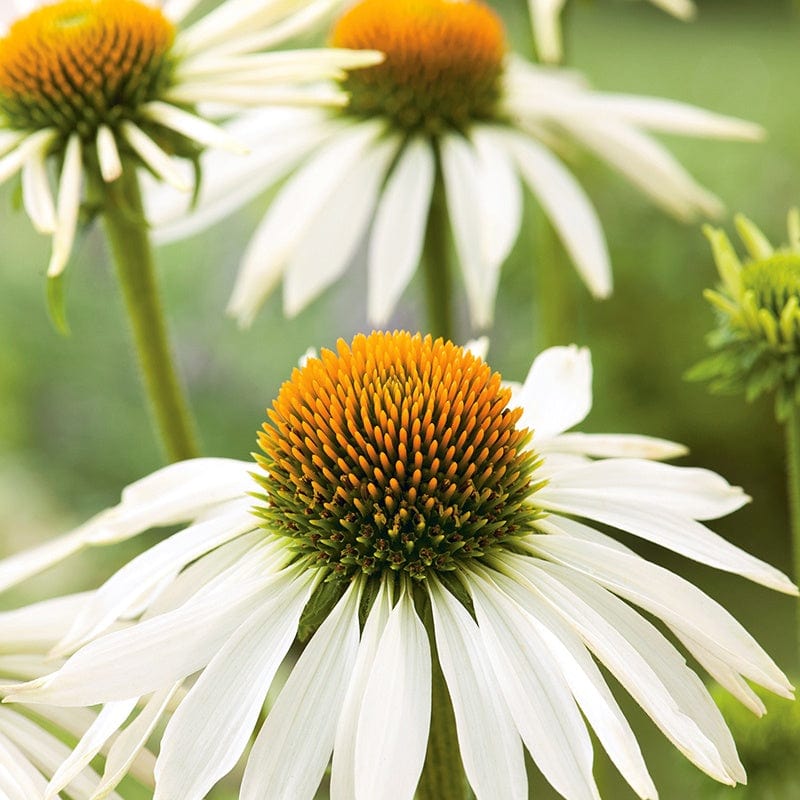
point(98, 86)
point(757, 342)
point(546, 21)
point(400, 480)
point(450, 112)
point(33, 740)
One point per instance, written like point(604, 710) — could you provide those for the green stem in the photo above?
point(555, 301)
point(132, 254)
point(436, 264)
point(793, 479)
point(442, 776)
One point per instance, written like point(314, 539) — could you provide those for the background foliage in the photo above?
point(73, 429)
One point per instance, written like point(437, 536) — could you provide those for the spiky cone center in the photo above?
point(444, 62)
point(396, 454)
point(78, 64)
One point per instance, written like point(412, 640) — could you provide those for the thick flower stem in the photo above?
point(793, 478)
point(132, 254)
point(442, 776)
point(436, 265)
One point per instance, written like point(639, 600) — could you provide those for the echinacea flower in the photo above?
point(95, 86)
point(405, 496)
point(546, 21)
point(449, 113)
point(33, 739)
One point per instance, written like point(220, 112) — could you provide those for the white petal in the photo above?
point(683, 9)
point(108, 154)
point(621, 445)
point(344, 749)
point(19, 567)
point(395, 714)
point(153, 156)
point(668, 529)
point(292, 750)
point(539, 700)
point(398, 234)
point(36, 628)
point(36, 193)
point(460, 170)
point(689, 491)
point(545, 17)
point(191, 126)
point(563, 200)
point(292, 213)
point(490, 746)
point(68, 206)
point(328, 246)
point(557, 392)
point(672, 599)
point(585, 682)
point(648, 666)
point(108, 722)
point(23, 148)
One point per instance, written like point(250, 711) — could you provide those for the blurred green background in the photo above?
point(74, 431)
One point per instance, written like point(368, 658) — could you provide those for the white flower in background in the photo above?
point(90, 85)
point(400, 473)
point(450, 113)
point(546, 21)
point(33, 738)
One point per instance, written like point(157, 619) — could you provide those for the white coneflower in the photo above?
point(33, 740)
point(446, 129)
point(90, 86)
point(546, 21)
point(406, 498)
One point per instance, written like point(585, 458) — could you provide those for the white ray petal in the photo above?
point(668, 529)
point(19, 148)
point(291, 214)
point(331, 240)
point(38, 626)
point(683, 9)
point(68, 206)
point(647, 665)
point(545, 17)
point(36, 193)
point(557, 392)
point(108, 154)
point(491, 749)
point(343, 773)
point(569, 209)
point(672, 599)
point(178, 10)
point(537, 696)
point(460, 170)
point(622, 445)
point(193, 127)
point(398, 234)
point(395, 714)
point(154, 157)
point(301, 726)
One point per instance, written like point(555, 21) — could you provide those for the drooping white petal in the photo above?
point(177, 10)
point(666, 528)
point(108, 721)
point(398, 234)
point(689, 491)
point(674, 600)
point(152, 155)
point(584, 680)
point(395, 714)
point(67, 206)
point(460, 170)
point(108, 154)
point(545, 17)
point(563, 200)
point(343, 773)
point(557, 392)
point(190, 125)
point(301, 727)
point(621, 445)
point(647, 665)
point(682, 9)
point(35, 628)
point(540, 702)
point(491, 749)
point(36, 193)
point(18, 777)
point(23, 148)
point(213, 723)
point(331, 239)
point(294, 209)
